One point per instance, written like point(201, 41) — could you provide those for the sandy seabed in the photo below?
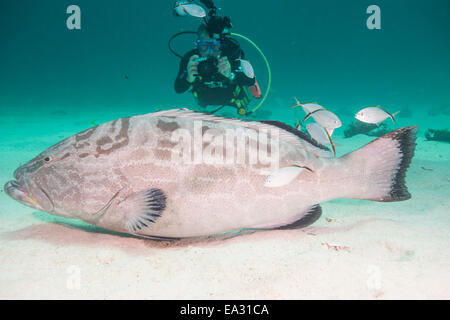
point(357, 249)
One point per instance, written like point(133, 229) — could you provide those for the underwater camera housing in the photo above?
point(207, 67)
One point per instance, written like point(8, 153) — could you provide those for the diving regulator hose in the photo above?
point(269, 82)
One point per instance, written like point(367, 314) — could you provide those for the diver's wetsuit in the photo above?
point(218, 90)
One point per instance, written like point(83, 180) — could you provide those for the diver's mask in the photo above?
point(210, 46)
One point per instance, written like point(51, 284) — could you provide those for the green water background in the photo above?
point(118, 64)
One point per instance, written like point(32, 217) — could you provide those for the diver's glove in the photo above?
point(192, 69)
point(224, 68)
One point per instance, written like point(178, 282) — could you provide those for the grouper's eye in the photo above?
point(48, 159)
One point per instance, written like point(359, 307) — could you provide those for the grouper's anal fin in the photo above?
point(156, 238)
point(312, 215)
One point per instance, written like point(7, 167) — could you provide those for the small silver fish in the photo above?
point(307, 107)
point(284, 176)
point(374, 115)
point(321, 134)
point(325, 118)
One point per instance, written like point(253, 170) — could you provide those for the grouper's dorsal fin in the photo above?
point(187, 113)
point(287, 133)
point(298, 133)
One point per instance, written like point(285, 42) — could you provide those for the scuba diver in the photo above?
point(215, 71)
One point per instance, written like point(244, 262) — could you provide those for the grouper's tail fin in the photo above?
point(379, 168)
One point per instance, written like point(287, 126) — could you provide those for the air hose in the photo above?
point(267, 66)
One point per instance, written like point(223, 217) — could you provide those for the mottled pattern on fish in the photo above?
point(96, 174)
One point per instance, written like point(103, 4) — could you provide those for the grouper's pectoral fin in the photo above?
point(142, 208)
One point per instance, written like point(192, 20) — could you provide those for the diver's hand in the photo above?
point(224, 67)
point(192, 71)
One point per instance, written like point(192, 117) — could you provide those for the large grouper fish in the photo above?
point(149, 175)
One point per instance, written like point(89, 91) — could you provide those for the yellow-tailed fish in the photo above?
point(374, 115)
point(325, 118)
point(321, 134)
point(307, 107)
point(284, 176)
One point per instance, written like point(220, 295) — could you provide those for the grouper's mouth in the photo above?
point(16, 191)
